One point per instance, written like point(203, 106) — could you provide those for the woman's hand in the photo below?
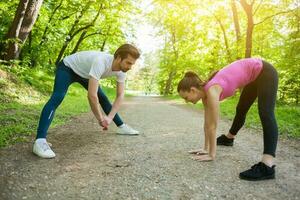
point(203, 158)
point(198, 152)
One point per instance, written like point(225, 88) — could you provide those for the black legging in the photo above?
point(265, 88)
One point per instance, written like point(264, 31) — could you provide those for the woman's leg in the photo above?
point(247, 98)
point(63, 79)
point(267, 84)
point(267, 91)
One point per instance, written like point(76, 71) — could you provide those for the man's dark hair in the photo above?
point(126, 49)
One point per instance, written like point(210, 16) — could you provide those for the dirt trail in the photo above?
point(154, 165)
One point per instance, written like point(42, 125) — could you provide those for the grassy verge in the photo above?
point(287, 116)
point(22, 97)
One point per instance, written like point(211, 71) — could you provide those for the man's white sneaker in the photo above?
point(42, 149)
point(126, 130)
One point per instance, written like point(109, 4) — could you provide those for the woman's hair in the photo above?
point(126, 49)
point(191, 79)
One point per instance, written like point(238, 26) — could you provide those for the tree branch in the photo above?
point(279, 13)
point(95, 33)
point(260, 3)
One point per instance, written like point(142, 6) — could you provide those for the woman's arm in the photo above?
point(206, 142)
point(204, 150)
point(211, 117)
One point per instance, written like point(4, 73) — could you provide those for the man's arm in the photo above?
point(93, 99)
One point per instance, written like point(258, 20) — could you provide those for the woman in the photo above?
point(258, 79)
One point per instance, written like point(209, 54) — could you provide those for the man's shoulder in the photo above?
point(101, 55)
point(94, 52)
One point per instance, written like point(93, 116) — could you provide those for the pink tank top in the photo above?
point(236, 75)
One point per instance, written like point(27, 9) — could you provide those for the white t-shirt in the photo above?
point(94, 64)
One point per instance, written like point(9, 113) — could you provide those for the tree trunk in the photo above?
point(225, 39)
point(103, 44)
point(250, 26)
point(173, 69)
point(81, 38)
point(248, 50)
point(30, 18)
point(72, 33)
point(235, 20)
point(31, 13)
point(67, 40)
point(32, 57)
point(237, 28)
point(105, 39)
point(12, 47)
point(169, 83)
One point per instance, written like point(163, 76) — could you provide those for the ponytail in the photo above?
point(212, 74)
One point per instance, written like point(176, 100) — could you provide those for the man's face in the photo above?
point(127, 63)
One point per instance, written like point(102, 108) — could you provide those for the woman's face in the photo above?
point(193, 96)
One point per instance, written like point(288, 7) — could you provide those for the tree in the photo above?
point(21, 26)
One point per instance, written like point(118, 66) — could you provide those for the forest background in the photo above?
point(202, 36)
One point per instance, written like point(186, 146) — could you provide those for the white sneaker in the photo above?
point(126, 130)
point(42, 149)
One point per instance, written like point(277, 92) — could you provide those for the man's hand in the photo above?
point(103, 124)
point(107, 120)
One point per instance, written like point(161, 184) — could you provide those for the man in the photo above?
point(87, 68)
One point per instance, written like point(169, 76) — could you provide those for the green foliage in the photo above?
point(200, 36)
point(62, 23)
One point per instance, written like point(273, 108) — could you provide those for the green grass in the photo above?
point(18, 121)
point(22, 98)
point(287, 116)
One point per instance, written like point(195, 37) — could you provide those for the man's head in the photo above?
point(125, 56)
point(127, 49)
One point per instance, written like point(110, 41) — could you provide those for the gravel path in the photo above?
point(155, 165)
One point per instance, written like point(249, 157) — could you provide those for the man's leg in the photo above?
point(63, 79)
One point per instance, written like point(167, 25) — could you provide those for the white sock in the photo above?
point(41, 140)
point(121, 126)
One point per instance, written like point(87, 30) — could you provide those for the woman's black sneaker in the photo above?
point(223, 140)
point(258, 172)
